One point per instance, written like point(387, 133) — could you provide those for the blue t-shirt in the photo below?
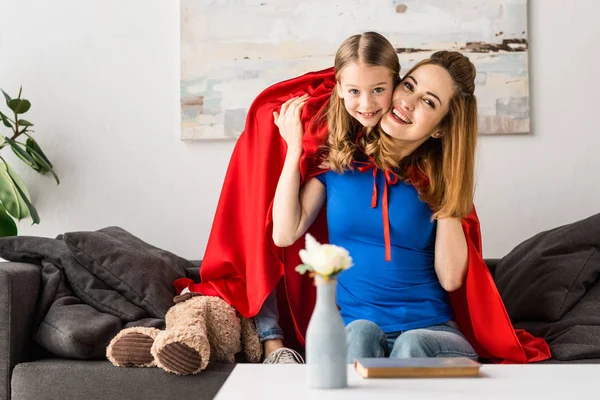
point(403, 293)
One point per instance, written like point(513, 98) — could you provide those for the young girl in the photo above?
point(395, 198)
point(366, 72)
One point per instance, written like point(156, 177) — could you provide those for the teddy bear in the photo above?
point(198, 329)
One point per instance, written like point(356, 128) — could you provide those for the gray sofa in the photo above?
point(26, 373)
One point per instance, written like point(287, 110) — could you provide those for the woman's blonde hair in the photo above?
point(447, 164)
point(369, 48)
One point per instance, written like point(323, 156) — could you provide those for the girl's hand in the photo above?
point(289, 124)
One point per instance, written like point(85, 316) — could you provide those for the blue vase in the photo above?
point(326, 340)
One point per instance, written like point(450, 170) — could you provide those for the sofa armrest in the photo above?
point(19, 289)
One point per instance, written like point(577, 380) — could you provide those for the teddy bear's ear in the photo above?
point(250, 342)
point(185, 296)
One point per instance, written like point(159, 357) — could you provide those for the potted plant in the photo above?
point(15, 202)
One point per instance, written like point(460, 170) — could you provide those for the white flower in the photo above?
point(325, 259)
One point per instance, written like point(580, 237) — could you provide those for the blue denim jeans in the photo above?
point(267, 320)
point(366, 339)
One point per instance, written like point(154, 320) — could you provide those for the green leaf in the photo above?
point(30, 208)
point(7, 225)
point(43, 163)
point(302, 268)
point(32, 147)
point(18, 180)
point(5, 120)
point(22, 154)
point(19, 106)
point(25, 197)
point(7, 97)
point(10, 195)
point(26, 160)
point(23, 122)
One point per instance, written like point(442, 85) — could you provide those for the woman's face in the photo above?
point(367, 92)
point(419, 103)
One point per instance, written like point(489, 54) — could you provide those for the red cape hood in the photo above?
point(243, 266)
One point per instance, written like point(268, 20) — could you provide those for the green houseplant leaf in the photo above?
point(24, 122)
point(15, 201)
point(22, 154)
point(33, 146)
point(7, 224)
point(7, 97)
point(19, 106)
point(5, 120)
point(11, 196)
point(24, 195)
point(41, 160)
point(30, 208)
point(35, 151)
point(18, 181)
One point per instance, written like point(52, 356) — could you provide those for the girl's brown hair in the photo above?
point(369, 48)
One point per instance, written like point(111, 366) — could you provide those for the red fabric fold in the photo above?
point(480, 312)
point(243, 266)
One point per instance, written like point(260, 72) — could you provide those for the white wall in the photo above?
point(103, 78)
point(552, 177)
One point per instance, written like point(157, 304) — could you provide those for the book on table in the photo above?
point(416, 367)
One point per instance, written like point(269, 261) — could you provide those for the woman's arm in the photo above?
point(294, 209)
point(451, 253)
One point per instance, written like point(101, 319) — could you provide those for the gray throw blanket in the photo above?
point(94, 284)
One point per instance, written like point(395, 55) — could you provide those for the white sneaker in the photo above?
point(284, 356)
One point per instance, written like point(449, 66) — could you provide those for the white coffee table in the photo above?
point(545, 381)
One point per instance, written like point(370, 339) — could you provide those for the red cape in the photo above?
point(243, 266)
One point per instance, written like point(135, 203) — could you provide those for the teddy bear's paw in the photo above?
point(180, 359)
point(131, 347)
point(181, 351)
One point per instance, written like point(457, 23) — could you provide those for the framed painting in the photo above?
point(231, 50)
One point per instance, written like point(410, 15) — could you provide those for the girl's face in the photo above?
point(366, 91)
point(419, 103)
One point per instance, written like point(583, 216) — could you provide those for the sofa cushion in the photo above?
point(75, 380)
point(545, 276)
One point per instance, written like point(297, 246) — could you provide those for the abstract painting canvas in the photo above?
point(231, 50)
